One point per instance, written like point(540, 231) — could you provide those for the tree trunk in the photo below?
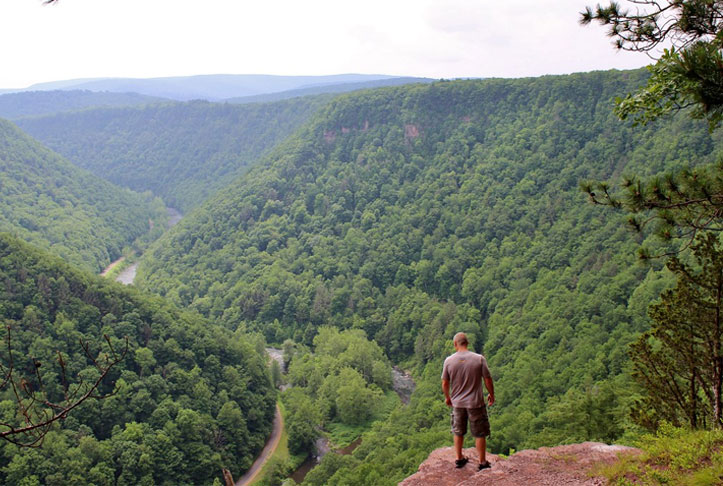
point(227, 477)
point(718, 361)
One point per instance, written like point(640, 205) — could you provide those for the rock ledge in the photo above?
point(548, 466)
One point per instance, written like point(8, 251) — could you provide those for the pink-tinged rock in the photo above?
point(411, 131)
point(548, 466)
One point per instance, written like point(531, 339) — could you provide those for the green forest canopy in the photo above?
point(181, 152)
point(190, 397)
point(411, 213)
point(415, 212)
point(46, 200)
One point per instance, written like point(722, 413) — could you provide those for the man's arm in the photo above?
point(445, 389)
point(490, 391)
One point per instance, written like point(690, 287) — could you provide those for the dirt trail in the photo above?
point(273, 442)
point(269, 449)
point(112, 266)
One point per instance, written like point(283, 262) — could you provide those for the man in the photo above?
point(462, 377)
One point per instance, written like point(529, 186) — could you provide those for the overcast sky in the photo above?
point(433, 38)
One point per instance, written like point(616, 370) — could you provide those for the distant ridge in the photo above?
point(211, 87)
point(327, 88)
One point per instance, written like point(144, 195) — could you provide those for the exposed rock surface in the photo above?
point(403, 384)
point(278, 356)
point(548, 466)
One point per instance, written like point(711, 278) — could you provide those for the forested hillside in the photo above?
point(416, 212)
point(46, 200)
point(182, 152)
point(33, 103)
point(189, 397)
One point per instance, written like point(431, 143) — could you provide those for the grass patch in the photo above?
point(673, 456)
point(341, 435)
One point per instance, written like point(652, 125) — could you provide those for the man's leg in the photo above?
point(480, 427)
point(458, 442)
point(481, 444)
point(459, 428)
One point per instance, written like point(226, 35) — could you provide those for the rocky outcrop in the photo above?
point(548, 466)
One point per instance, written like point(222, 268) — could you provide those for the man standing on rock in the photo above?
point(462, 377)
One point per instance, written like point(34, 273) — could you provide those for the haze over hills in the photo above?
point(47, 201)
point(212, 87)
point(182, 152)
point(418, 211)
point(34, 103)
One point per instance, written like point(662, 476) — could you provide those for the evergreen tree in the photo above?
point(679, 361)
point(688, 75)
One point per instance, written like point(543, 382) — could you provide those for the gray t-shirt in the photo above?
point(464, 370)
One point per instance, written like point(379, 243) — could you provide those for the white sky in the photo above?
point(434, 38)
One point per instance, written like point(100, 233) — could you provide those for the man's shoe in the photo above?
point(484, 465)
point(461, 462)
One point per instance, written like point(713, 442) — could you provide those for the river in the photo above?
point(402, 383)
point(174, 216)
point(278, 356)
point(128, 274)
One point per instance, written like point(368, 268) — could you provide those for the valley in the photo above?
point(55, 205)
point(350, 236)
point(181, 152)
point(127, 274)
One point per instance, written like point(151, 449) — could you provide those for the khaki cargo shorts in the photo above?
point(479, 424)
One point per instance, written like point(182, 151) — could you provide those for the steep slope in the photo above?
point(34, 103)
point(190, 397)
point(415, 212)
point(182, 152)
point(46, 200)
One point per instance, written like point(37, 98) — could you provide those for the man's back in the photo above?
point(465, 370)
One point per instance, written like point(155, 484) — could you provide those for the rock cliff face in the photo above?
point(548, 466)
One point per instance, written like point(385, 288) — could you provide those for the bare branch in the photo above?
point(38, 421)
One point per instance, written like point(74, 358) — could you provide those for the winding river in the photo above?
point(402, 383)
point(128, 274)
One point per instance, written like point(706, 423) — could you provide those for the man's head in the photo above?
point(460, 341)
